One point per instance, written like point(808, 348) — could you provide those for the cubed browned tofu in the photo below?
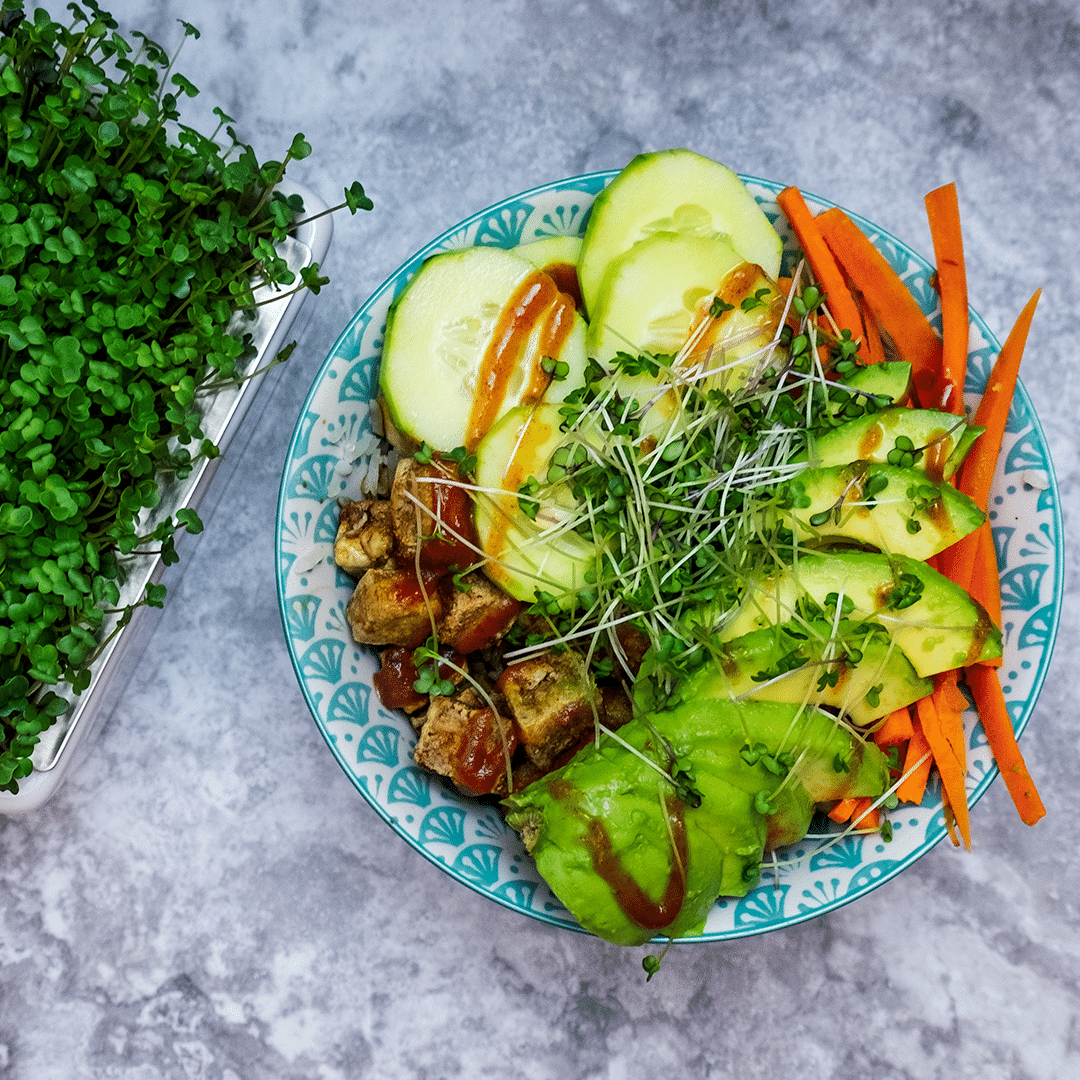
point(616, 707)
point(390, 606)
point(633, 645)
point(365, 535)
point(550, 703)
point(477, 615)
point(466, 741)
point(430, 508)
point(396, 679)
point(615, 710)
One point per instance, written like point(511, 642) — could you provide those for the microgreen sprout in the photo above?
point(131, 249)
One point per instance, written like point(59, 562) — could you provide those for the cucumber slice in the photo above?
point(673, 191)
point(525, 555)
point(551, 251)
point(653, 291)
point(464, 343)
point(657, 292)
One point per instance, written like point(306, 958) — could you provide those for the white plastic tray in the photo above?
point(66, 743)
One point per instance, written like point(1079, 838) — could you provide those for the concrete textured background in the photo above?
point(208, 896)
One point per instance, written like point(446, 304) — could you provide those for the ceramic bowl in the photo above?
point(328, 455)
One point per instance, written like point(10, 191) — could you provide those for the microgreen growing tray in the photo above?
point(64, 744)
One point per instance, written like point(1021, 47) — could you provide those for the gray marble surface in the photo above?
point(207, 896)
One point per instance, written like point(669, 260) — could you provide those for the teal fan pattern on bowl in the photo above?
point(330, 451)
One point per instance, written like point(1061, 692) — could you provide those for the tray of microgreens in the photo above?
point(148, 276)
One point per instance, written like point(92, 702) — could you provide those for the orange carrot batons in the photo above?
point(990, 701)
point(950, 769)
point(887, 296)
point(838, 298)
point(977, 472)
point(895, 729)
point(916, 768)
point(943, 215)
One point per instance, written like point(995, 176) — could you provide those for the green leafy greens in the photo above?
point(128, 243)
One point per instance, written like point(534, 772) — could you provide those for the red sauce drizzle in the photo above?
point(481, 761)
point(512, 330)
point(405, 589)
point(453, 516)
point(489, 627)
point(635, 903)
point(394, 679)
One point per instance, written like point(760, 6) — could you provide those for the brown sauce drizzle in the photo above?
point(564, 275)
point(736, 286)
point(558, 322)
point(515, 323)
point(870, 441)
point(517, 472)
point(937, 453)
point(938, 514)
point(733, 289)
point(979, 635)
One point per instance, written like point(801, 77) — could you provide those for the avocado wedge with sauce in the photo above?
point(894, 509)
point(931, 619)
point(636, 849)
point(933, 442)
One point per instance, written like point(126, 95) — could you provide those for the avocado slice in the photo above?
point(894, 509)
point(889, 381)
point(933, 442)
point(936, 624)
point(853, 667)
point(632, 852)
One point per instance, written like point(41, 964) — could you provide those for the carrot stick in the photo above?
point(873, 352)
point(840, 302)
point(972, 564)
point(916, 770)
point(990, 701)
point(943, 215)
point(885, 293)
point(950, 704)
point(896, 729)
point(957, 562)
point(985, 584)
point(947, 694)
point(948, 765)
point(843, 810)
point(865, 816)
point(977, 472)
